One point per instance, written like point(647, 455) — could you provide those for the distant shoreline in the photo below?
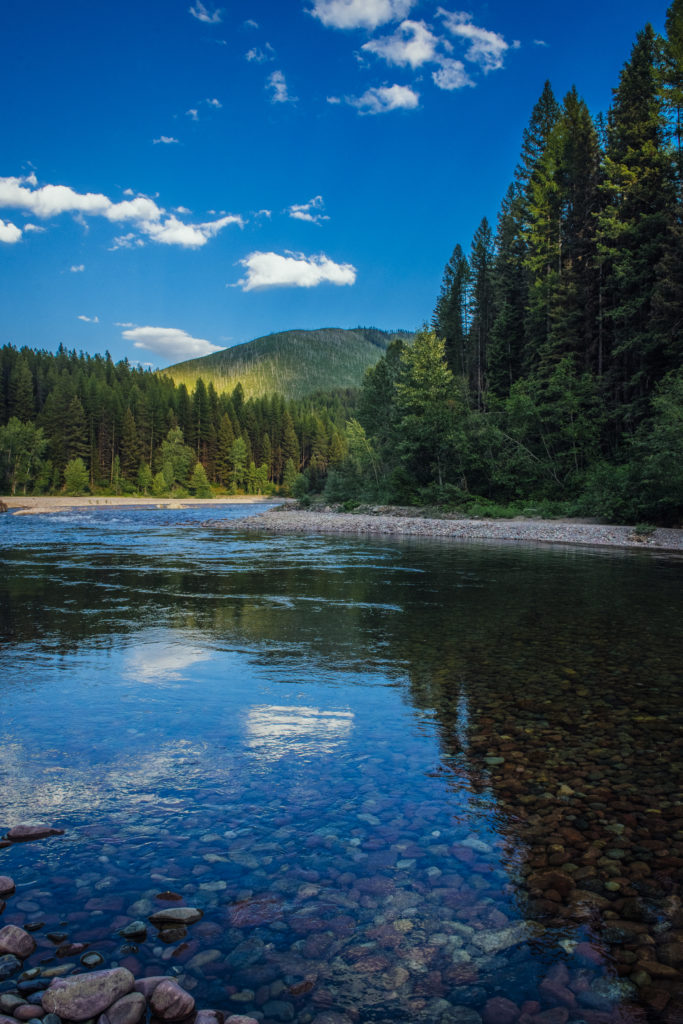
point(399, 524)
point(20, 505)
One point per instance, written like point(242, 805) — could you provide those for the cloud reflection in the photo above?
point(274, 731)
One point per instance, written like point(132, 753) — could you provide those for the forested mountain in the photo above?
point(291, 363)
point(131, 429)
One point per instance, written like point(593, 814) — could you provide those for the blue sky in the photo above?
point(178, 176)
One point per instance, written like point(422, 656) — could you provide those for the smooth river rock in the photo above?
point(129, 1009)
point(26, 833)
point(171, 1002)
point(16, 941)
point(6, 885)
point(176, 915)
point(87, 995)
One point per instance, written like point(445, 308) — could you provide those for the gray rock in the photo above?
point(176, 915)
point(503, 938)
point(135, 930)
point(83, 996)
point(27, 833)
point(9, 1002)
point(129, 1009)
point(9, 965)
point(147, 985)
point(6, 885)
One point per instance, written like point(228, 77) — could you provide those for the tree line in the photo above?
point(553, 368)
point(73, 421)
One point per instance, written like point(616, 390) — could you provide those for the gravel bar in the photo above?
point(303, 521)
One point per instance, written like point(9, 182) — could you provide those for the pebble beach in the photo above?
point(389, 522)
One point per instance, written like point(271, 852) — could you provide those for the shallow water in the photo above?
point(400, 779)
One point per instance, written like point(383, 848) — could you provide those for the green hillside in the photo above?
point(291, 363)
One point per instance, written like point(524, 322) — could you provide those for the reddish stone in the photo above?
point(171, 1002)
point(27, 833)
point(253, 912)
point(83, 996)
point(6, 885)
point(589, 953)
point(147, 985)
point(16, 941)
point(500, 1010)
point(558, 1015)
point(554, 986)
point(129, 1009)
point(27, 1011)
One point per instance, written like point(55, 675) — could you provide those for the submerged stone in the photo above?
point(83, 996)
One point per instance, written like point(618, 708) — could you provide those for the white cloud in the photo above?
point(9, 232)
point(412, 43)
point(451, 75)
point(385, 98)
point(202, 13)
point(486, 48)
point(88, 319)
point(293, 270)
point(214, 103)
point(192, 113)
point(77, 269)
point(34, 227)
point(169, 342)
point(250, 23)
point(360, 13)
point(258, 56)
point(334, 100)
point(167, 140)
point(539, 42)
point(310, 211)
point(148, 219)
point(277, 83)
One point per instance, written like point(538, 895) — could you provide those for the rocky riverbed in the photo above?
point(400, 522)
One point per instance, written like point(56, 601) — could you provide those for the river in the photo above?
point(403, 781)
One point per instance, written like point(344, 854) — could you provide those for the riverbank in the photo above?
point(45, 504)
point(389, 522)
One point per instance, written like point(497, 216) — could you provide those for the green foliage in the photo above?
point(76, 477)
point(291, 363)
point(159, 485)
point(22, 446)
point(145, 479)
point(199, 484)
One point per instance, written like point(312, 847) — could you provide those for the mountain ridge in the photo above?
point(293, 363)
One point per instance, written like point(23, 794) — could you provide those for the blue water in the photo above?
point(362, 760)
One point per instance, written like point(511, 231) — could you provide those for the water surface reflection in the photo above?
point(403, 781)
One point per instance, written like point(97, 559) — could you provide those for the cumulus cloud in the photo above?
point(77, 269)
point(260, 56)
point(451, 75)
point(293, 270)
point(360, 13)
point(202, 13)
point(167, 140)
point(310, 211)
point(192, 113)
point(214, 103)
point(147, 218)
point(9, 232)
point(277, 83)
point(412, 43)
point(385, 98)
point(169, 342)
point(88, 319)
point(486, 48)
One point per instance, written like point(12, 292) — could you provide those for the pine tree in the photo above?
point(634, 230)
point(450, 318)
point(129, 446)
point(509, 287)
point(482, 317)
point(21, 401)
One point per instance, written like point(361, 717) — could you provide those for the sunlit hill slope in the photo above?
point(291, 363)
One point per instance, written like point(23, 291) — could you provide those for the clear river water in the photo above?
point(402, 781)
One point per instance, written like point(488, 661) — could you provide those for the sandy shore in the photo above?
point(34, 506)
point(287, 520)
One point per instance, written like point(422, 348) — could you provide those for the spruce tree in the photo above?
point(450, 318)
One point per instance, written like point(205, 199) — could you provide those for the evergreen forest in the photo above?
point(549, 379)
